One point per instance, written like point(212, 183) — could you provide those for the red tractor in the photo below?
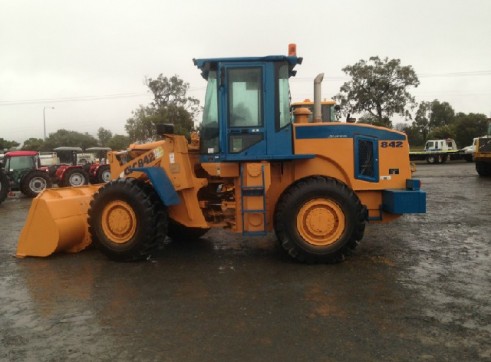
point(70, 171)
point(99, 171)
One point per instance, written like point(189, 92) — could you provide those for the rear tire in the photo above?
point(127, 220)
point(4, 186)
point(75, 177)
point(34, 182)
point(103, 174)
point(319, 220)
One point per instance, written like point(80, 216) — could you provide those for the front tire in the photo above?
point(127, 220)
point(319, 220)
point(33, 183)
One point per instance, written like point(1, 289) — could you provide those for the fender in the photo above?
point(161, 183)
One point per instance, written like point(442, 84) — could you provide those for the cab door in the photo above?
point(242, 103)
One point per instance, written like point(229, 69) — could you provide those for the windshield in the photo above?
point(20, 163)
point(209, 126)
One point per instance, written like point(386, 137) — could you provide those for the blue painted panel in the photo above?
point(346, 131)
point(161, 183)
point(404, 201)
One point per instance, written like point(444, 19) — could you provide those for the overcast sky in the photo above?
point(88, 59)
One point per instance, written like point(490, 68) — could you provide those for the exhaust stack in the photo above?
point(317, 97)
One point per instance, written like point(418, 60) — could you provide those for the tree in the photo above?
point(468, 126)
point(414, 135)
point(6, 145)
point(33, 144)
point(63, 137)
point(441, 114)
point(442, 132)
point(378, 87)
point(140, 126)
point(104, 136)
point(170, 105)
point(119, 142)
point(421, 122)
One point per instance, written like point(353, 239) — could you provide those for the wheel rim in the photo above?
point(119, 221)
point(76, 179)
point(106, 176)
point(37, 184)
point(321, 222)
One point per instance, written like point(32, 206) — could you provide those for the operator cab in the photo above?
point(247, 108)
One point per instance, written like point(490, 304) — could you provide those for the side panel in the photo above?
point(344, 146)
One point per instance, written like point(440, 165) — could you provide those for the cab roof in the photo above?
point(21, 153)
point(206, 64)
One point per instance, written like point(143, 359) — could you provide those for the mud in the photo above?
point(416, 289)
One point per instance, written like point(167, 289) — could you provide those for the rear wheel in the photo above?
point(319, 220)
point(103, 174)
point(4, 186)
point(127, 220)
point(34, 182)
point(75, 177)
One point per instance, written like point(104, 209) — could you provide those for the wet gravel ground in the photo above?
point(418, 289)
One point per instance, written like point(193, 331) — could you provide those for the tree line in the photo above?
point(378, 89)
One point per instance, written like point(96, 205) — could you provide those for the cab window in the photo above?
point(284, 114)
point(209, 127)
point(245, 97)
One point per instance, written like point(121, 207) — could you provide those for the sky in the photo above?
point(89, 59)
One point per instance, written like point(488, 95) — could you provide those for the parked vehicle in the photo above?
point(482, 154)
point(70, 172)
point(469, 151)
point(251, 170)
point(98, 170)
point(438, 151)
point(25, 172)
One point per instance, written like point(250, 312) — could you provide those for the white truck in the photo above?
point(438, 151)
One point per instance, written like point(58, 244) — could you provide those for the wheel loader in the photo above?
point(254, 168)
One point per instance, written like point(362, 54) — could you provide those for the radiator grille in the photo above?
point(484, 145)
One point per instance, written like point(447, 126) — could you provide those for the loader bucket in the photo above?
point(57, 222)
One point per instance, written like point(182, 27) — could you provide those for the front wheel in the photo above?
point(127, 220)
point(431, 159)
point(319, 220)
point(34, 182)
